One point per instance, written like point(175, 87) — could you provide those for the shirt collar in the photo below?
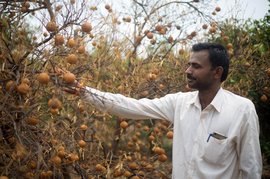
point(216, 102)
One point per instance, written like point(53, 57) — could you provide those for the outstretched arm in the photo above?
point(117, 104)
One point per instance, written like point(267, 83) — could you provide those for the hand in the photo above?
point(76, 89)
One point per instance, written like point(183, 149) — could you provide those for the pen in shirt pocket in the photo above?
point(216, 136)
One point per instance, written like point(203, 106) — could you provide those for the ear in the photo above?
point(218, 72)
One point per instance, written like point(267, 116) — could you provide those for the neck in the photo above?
point(206, 96)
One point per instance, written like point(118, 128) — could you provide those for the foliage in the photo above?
point(140, 52)
point(44, 45)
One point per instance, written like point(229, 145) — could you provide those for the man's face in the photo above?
point(200, 74)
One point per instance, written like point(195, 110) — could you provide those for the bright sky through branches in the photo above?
point(254, 9)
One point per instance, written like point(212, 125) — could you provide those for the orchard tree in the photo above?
point(48, 44)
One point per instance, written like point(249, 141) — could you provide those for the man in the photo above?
point(216, 133)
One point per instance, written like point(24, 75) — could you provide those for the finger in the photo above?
point(70, 91)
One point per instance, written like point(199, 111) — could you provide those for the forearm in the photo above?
point(120, 105)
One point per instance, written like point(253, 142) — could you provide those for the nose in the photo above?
point(188, 70)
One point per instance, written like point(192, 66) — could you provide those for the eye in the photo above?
point(195, 65)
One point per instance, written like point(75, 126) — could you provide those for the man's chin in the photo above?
point(191, 84)
point(189, 87)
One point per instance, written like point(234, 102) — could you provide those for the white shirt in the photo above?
point(195, 154)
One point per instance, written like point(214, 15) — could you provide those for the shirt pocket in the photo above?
point(216, 151)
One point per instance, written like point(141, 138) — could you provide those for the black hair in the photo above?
point(218, 56)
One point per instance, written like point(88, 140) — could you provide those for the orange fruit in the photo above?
point(163, 31)
point(61, 148)
point(72, 59)
point(107, 6)
point(151, 138)
point(181, 51)
point(42, 174)
point(73, 157)
point(51, 26)
point(69, 78)
point(56, 160)
point(146, 128)
point(83, 127)
point(152, 76)
point(217, 9)
point(159, 150)
point(45, 34)
point(118, 173)
point(263, 98)
point(162, 158)
point(127, 19)
point(133, 165)
point(32, 121)
point(59, 39)
point(158, 28)
point(229, 46)
point(204, 26)
point(170, 39)
point(130, 144)
point(149, 35)
point(149, 167)
point(71, 43)
point(193, 34)
point(146, 31)
point(170, 134)
point(10, 85)
point(86, 27)
point(82, 143)
point(61, 153)
point(225, 38)
point(123, 124)
point(100, 168)
point(54, 103)
point(43, 78)
point(127, 173)
point(54, 111)
point(212, 30)
point(81, 49)
point(23, 88)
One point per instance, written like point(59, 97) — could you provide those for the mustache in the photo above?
point(189, 76)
